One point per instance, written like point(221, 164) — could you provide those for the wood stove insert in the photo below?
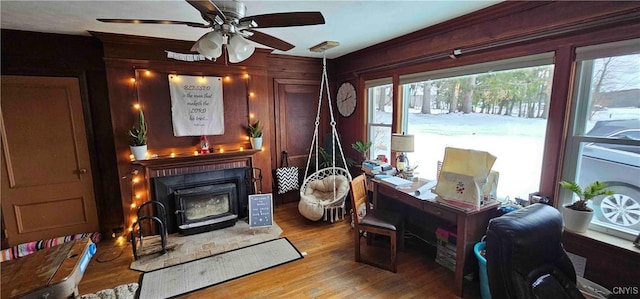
point(206, 208)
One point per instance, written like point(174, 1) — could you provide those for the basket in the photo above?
point(482, 269)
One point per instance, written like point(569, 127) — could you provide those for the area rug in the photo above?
point(191, 276)
point(181, 249)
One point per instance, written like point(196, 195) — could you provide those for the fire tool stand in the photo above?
point(253, 176)
point(161, 220)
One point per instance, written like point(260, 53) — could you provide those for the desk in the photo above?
point(470, 225)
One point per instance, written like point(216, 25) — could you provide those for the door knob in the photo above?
point(82, 170)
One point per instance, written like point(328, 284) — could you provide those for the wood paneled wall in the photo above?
point(506, 30)
point(105, 63)
point(125, 54)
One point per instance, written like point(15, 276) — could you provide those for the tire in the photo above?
point(622, 208)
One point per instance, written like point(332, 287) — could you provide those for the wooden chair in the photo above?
point(374, 221)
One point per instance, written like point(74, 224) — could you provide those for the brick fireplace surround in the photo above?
point(166, 175)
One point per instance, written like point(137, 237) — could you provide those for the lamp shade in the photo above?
point(239, 49)
point(209, 45)
point(402, 143)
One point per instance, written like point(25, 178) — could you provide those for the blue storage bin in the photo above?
point(482, 270)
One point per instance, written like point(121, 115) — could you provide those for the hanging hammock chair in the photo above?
point(324, 191)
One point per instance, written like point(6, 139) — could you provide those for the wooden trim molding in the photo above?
point(197, 160)
point(519, 23)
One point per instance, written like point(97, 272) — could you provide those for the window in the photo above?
point(498, 107)
point(603, 143)
point(379, 93)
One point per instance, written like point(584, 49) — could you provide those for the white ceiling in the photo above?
point(354, 24)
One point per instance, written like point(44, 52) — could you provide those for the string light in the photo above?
point(137, 196)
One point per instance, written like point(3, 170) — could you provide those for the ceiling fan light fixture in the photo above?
point(209, 45)
point(239, 49)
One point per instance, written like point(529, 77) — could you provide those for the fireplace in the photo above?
point(205, 208)
point(202, 201)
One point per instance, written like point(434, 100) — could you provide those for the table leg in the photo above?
point(461, 254)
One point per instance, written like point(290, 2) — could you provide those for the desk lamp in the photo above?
point(403, 144)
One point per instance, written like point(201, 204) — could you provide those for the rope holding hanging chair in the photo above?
point(324, 191)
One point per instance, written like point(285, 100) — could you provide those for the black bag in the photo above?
point(286, 176)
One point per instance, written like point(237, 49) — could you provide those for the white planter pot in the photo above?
point(256, 142)
point(576, 221)
point(139, 152)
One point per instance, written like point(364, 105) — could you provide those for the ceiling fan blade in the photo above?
point(208, 10)
point(268, 40)
point(166, 22)
point(286, 19)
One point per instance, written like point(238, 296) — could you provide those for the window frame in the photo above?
point(579, 107)
point(369, 84)
point(514, 63)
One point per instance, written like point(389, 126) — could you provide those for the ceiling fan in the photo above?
point(232, 28)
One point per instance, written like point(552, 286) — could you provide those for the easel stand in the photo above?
point(262, 229)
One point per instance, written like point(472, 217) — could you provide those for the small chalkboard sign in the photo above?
point(260, 210)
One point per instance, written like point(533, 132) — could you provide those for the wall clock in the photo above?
point(346, 99)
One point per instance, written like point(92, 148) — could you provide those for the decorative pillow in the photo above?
point(310, 209)
point(323, 189)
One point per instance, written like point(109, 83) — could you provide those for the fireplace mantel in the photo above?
point(163, 166)
point(194, 159)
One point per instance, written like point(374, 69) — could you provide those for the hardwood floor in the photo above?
point(328, 270)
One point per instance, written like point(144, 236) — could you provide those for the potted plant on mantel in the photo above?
point(138, 144)
point(578, 215)
point(255, 135)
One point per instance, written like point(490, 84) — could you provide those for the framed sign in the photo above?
point(260, 210)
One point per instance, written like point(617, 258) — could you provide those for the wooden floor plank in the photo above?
point(328, 270)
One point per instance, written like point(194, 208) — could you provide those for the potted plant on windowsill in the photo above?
point(138, 143)
point(363, 148)
point(578, 215)
point(255, 134)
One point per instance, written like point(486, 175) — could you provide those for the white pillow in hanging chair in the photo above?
point(319, 194)
point(323, 190)
point(310, 210)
